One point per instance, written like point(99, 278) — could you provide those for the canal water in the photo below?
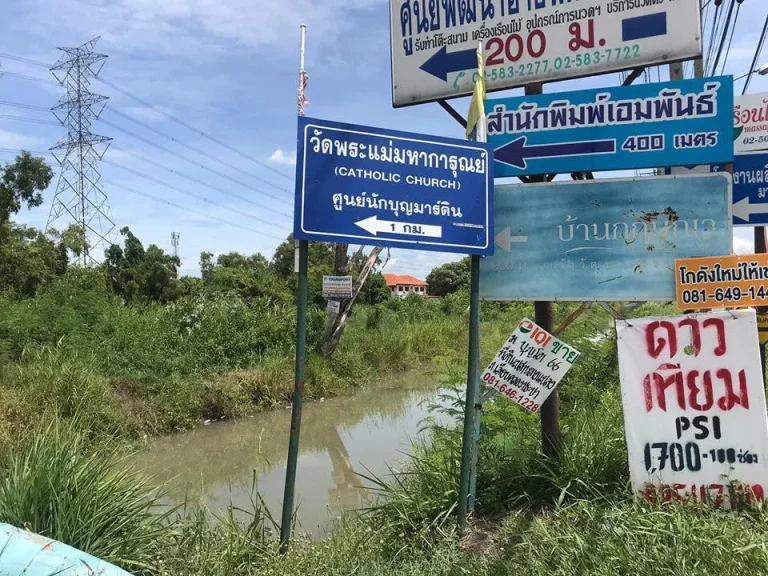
point(224, 463)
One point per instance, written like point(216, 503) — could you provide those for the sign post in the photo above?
point(433, 43)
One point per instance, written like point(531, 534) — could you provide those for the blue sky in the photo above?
point(229, 68)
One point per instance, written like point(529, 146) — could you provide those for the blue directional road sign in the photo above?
point(612, 239)
point(750, 186)
point(643, 126)
point(363, 185)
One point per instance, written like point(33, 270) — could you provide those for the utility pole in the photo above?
point(79, 192)
point(544, 317)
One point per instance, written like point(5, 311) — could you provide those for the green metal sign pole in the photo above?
point(472, 376)
point(301, 356)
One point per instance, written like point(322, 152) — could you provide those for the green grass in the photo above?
point(59, 486)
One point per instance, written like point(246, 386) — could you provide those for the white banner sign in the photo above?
point(434, 42)
point(337, 286)
point(694, 407)
point(333, 307)
point(529, 366)
point(750, 120)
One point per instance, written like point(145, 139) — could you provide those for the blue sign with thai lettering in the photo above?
point(612, 239)
point(643, 126)
point(750, 186)
point(363, 185)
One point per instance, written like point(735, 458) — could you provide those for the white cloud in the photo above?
point(280, 157)
point(15, 140)
point(149, 114)
point(175, 25)
point(743, 246)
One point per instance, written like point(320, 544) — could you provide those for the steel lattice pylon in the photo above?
point(79, 193)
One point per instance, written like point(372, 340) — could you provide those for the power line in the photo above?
point(193, 129)
point(32, 120)
point(724, 36)
point(197, 150)
point(187, 193)
point(186, 209)
point(196, 181)
point(152, 107)
point(712, 36)
point(33, 78)
point(730, 40)
point(758, 51)
point(151, 197)
point(193, 162)
point(25, 106)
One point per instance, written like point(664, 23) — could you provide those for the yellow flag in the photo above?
point(476, 116)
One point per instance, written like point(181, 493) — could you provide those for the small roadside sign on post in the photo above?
point(337, 286)
point(722, 282)
point(643, 126)
point(388, 188)
point(333, 307)
point(433, 42)
point(529, 366)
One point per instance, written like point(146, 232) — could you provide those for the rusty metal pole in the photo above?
point(544, 317)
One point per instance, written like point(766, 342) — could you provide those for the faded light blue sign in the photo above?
point(613, 239)
point(363, 185)
point(750, 186)
point(643, 126)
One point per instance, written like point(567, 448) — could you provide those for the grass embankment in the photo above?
point(149, 369)
point(533, 516)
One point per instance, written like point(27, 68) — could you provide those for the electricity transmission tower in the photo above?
point(80, 194)
point(175, 243)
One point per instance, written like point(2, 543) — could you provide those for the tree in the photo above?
point(250, 276)
point(449, 278)
point(21, 183)
point(375, 290)
point(136, 273)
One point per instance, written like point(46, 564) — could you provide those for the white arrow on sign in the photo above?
point(743, 209)
point(504, 239)
point(373, 226)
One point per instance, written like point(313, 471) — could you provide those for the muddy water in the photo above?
point(217, 465)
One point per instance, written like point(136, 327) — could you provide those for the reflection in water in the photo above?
point(217, 464)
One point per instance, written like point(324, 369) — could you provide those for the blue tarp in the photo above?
point(23, 553)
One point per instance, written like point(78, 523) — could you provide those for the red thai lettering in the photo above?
point(694, 391)
point(655, 346)
point(656, 382)
point(577, 41)
point(719, 325)
point(731, 398)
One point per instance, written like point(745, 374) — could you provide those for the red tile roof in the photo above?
point(403, 280)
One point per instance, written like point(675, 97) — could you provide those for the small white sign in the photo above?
point(434, 42)
point(694, 407)
point(529, 366)
point(337, 286)
point(750, 120)
point(334, 306)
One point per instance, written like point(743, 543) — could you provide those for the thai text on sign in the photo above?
point(724, 281)
point(529, 365)
point(694, 407)
point(750, 121)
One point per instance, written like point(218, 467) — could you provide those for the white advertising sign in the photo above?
point(529, 366)
point(333, 307)
point(694, 407)
point(750, 120)
point(434, 42)
point(337, 286)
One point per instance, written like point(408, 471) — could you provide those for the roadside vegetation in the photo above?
point(92, 358)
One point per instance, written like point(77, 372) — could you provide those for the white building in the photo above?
point(402, 285)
